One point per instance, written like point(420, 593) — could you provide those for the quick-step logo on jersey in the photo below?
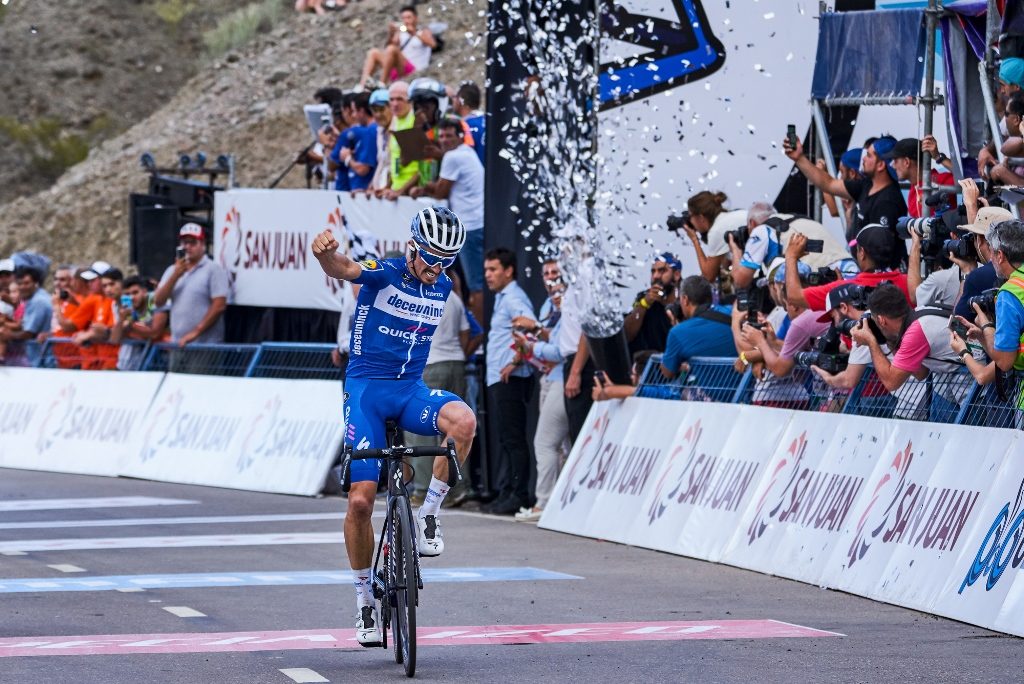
point(392, 301)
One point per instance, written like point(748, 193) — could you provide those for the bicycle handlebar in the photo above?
point(397, 454)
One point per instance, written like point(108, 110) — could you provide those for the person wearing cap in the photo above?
point(381, 110)
point(984, 277)
point(849, 169)
point(779, 358)
point(876, 250)
point(921, 343)
point(403, 177)
point(704, 331)
point(19, 336)
point(197, 289)
point(648, 324)
point(877, 196)
point(73, 313)
point(770, 233)
point(905, 156)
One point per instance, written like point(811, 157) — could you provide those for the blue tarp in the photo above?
point(870, 54)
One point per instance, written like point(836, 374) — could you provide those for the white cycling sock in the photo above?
point(364, 588)
point(435, 495)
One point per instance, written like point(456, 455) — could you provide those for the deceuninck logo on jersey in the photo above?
point(392, 301)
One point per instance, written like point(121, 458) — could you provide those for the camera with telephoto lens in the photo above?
point(678, 223)
point(986, 301)
point(739, 236)
point(846, 326)
point(823, 276)
point(826, 355)
point(930, 230)
point(962, 248)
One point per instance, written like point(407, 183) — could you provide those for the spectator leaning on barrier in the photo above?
point(707, 228)
point(102, 355)
point(876, 251)
point(466, 104)
point(461, 182)
point(197, 289)
point(877, 196)
point(31, 318)
point(604, 389)
point(982, 278)
point(1004, 340)
point(770, 234)
point(648, 323)
point(705, 329)
point(354, 155)
point(141, 321)
point(509, 382)
point(920, 339)
point(404, 177)
point(381, 110)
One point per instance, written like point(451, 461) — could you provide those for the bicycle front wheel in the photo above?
point(405, 587)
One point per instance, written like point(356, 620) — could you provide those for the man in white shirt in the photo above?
point(461, 182)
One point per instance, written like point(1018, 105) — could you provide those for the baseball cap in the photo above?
point(1011, 70)
point(985, 218)
point(100, 267)
point(802, 269)
point(192, 230)
point(907, 147)
point(840, 294)
point(379, 98)
point(670, 259)
point(7, 265)
point(851, 158)
point(878, 241)
point(87, 274)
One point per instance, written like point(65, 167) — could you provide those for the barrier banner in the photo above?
point(263, 239)
point(910, 513)
point(71, 421)
point(265, 435)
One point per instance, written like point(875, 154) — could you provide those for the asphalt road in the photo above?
point(258, 587)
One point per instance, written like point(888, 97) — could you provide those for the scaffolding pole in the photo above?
point(931, 18)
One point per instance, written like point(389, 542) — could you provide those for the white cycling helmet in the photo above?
point(440, 229)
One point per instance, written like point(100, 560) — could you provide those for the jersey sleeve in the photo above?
point(374, 274)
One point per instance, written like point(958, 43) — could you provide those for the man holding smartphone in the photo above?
point(197, 289)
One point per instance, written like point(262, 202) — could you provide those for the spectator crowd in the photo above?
point(922, 296)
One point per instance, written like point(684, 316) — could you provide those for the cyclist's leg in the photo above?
point(364, 430)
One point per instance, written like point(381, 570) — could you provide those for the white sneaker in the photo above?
point(529, 515)
point(368, 627)
point(430, 541)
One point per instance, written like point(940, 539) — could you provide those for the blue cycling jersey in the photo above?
point(395, 319)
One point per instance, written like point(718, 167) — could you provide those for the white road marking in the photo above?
point(183, 611)
point(173, 542)
point(66, 567)
point(95, 502)
point(130, 590)
point(13, 553)
point(303, 675)
point(186, 520)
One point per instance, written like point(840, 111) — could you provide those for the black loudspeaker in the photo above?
point(154, 235)
point(187, 194)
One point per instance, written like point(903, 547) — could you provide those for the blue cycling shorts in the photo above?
point(370, 402)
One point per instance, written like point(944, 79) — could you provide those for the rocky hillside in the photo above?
point(248, 102)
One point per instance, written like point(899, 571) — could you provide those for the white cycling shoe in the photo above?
point(430, 542)
point(368, 627)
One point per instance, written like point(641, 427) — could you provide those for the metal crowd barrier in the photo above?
point(952, 398)
point(201, 359)
point(293, 361)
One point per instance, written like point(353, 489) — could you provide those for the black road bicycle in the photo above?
point(396, 564)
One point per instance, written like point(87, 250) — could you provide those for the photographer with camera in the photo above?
point(876, 251)
point(648, 323)
point(706, 223)
point(770, 234)
point(920, 343)
point(1003, 340)
point(704, 330)
point(949, 251)
point(983, 278)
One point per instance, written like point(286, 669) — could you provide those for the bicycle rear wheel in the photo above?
point(405, 587)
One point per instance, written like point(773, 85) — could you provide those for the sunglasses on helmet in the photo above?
point(434, 260)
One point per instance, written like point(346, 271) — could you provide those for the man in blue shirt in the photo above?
point(509, 382)
point(359, 153)
point(467, 106)
point(1003, 340)
point(704, 331)
point(22, 346)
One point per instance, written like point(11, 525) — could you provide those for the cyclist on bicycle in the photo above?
point(399, 305)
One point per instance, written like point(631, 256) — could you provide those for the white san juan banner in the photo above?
point(256, 434)
point(263, 239)
point(71, 421)
point(913, 514)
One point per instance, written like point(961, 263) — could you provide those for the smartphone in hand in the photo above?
point(791, 138)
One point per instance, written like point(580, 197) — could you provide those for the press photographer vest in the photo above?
point(1015, 286)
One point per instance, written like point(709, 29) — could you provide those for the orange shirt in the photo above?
point(106, 353)
point(85, 312)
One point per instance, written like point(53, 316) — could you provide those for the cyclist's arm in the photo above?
point(336, 264)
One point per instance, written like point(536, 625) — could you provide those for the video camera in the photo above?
point(826, 354)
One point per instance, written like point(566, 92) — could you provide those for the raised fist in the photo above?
point(325, 244)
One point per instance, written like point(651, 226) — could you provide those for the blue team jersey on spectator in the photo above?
point(698, 337)
point(478, 129)
point(395, 319)
point(347, 139)
point(365, 152)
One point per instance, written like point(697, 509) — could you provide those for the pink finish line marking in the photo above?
point(217, 642)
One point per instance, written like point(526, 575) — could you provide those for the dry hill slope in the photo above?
point(248, 103)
